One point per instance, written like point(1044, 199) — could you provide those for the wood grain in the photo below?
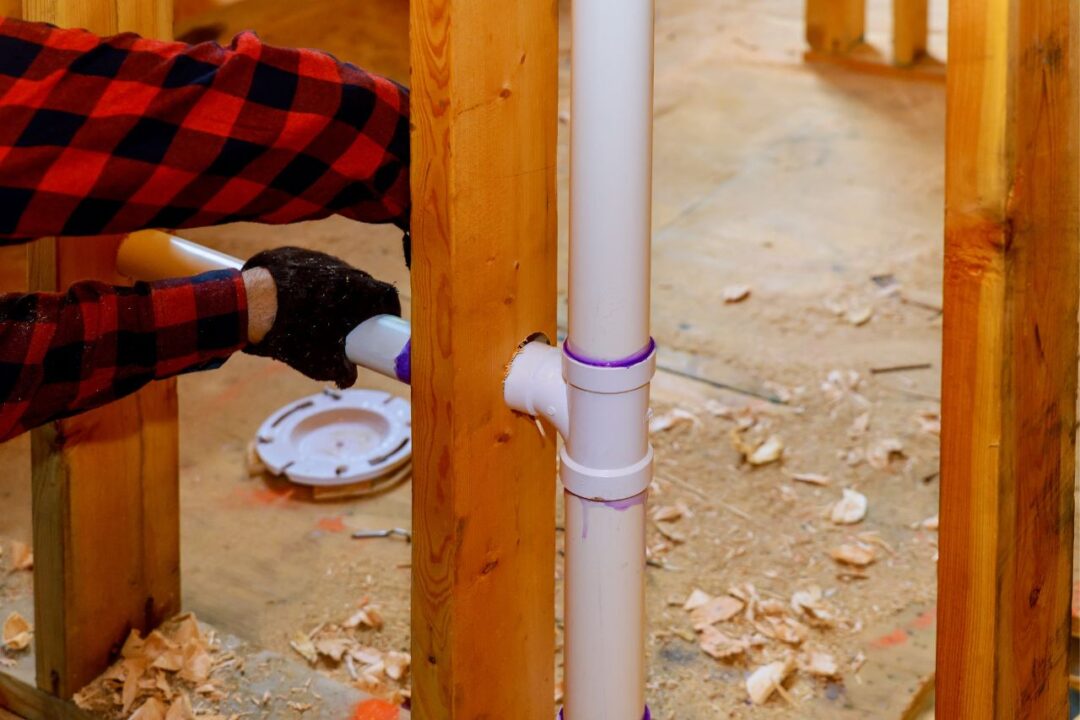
point(105, 483)
point(1010, 354)
point(484, 86)
point(910, 29)
point(835, 26)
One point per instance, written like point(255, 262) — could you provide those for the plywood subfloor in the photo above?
point(822, 191)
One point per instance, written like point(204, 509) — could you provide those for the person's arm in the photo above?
point(111, 135)
point(65, 353)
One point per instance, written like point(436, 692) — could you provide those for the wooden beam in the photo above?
point(484, 109)
point(11, 8)
point(835, 26)
point(1010, 360)
point(910, 18)
point(105, 483)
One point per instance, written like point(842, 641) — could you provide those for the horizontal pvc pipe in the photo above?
point(157, 255)
point(381, 343)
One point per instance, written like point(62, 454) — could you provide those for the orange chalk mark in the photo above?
point(331, 524)
point(925, 620)
point(375, 710)
point(896, 637)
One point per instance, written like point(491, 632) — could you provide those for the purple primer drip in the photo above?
point(403, 363)
point(635, 359)
point(623, 505)
point(617, 505)
point(646, 716)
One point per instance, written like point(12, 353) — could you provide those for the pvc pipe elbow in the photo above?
point(534, 385)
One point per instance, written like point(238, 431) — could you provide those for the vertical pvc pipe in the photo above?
point(610, 246)
point(605, 609)
point(610, 176)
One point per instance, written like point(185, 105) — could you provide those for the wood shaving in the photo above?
point(809, 605)
point(152, 709)
point(303, 645)
point(397, 664)
point(859, 316)
point(882, 453)
point(671, 513)
point(671, 419)
point(17, 633)
point(784, 629)
point(367, 616)
point(811, 479)
point(930, 523)
point(22, 558)
point(696, 599)
point(763, 453)
point(334, 648)
point(820, 664)
point(736, 293)
point(763, 682)
point(720, 646)
point(929, 422)
point(856, 554)
point(718, 609)
point(859, 426)
point(180, 709)
point(671, 534)
point(850, 509)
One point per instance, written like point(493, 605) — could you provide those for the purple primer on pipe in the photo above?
point(617, 505)
point(403, 364)
point(623, 505)
point(635, 359)
point(646, 716)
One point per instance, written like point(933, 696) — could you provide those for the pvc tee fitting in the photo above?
point(600, 409)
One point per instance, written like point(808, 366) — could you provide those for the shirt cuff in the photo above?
point(199, 321)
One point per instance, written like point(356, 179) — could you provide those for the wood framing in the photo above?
point(105, 483)
point(835, 26)
point(1010, 360)
point(484, 110)
point(910, 18)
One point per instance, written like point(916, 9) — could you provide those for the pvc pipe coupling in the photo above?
point(601, 410)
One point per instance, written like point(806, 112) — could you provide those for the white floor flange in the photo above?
point(337, 437)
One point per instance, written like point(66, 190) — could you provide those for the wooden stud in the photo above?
point(11, 8)
point(835, 26)
point(484, 109)
point(105, 483)
point(1010, 360)
point(910, 18)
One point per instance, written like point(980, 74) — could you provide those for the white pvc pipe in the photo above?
point(156, 255)
point(607, 460)
point(605, 609)
point(381, 343)
point(610, 176)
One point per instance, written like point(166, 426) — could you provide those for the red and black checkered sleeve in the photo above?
point(111, 135)
point(64, 353)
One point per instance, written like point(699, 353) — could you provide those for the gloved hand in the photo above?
point(320, 299)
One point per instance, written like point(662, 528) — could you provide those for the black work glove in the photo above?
point(320, 300)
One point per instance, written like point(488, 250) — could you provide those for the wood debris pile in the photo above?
point(734, 625)
point(382, 674)
point(168, 675)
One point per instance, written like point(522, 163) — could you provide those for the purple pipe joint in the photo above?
point(635, 359)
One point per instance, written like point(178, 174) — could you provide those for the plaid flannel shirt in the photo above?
point(111, 135)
